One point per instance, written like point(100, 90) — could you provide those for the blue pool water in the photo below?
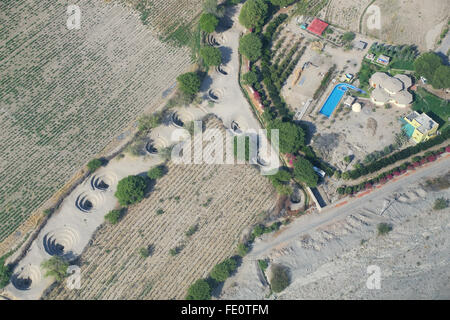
point(336, 96)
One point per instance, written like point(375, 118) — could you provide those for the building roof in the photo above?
point(407, 82)
point(380, 95)
point(360, 45)
point(349, 101)
point(426, 123)
point(381, 79)
point(403, 97)
point(317, 26)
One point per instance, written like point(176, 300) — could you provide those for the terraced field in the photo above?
point(66, 94)
point(222, 200)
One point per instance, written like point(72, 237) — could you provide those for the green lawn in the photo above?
point(435, 107)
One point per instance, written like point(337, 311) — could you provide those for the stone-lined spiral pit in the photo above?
point(215, 40)
point(26, 278)
point(176, 120)
point(215, 95)
point(87, 202)
point(224, 70)
point(154, 146)
point(60, 242)
point(104, 181)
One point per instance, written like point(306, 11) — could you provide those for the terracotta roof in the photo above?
point(317, 26)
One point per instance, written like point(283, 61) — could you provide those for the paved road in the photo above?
point(307, 224)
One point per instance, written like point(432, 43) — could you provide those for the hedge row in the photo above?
point(391, 174)
point(397, 156)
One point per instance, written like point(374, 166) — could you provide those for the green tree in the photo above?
point(155, 173)
point(280, 278)
point(250, 78)
point(348, 36)
point(211, 56)
point(253, 13)
point(130, 190)
point(144, 252)
point(200, 290)
point(242, 249)
point(149, 121)
point(291, 136)
point(304, 171)
point(208, 22)
point(250, 46)
point(5, 273)
point(427, 64)
point(189, 83)
point(441, 77)
point(384, 228)
point(94, 164)
point(223, 270)
point(113, 216)
point(56, 267)
point(282, 3)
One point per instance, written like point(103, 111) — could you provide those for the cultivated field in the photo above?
point(346, 13)
point(222, 200)
point(66, 94)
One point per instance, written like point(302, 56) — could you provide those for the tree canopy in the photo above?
point(56, 267)
point(250, 78)
point(282, 3)
point(304, 171)
point(211, 56)
point(441, 77)
point(291, 136)
point(155, 173)
point(113, 216)
point(94, 164)
point(427, 64)
point(5, 273)
point(200, 290)
point(280, 278)
point(348, 36)
point(208, 22)
point(130, 190)
point(223, 270)
point(189, 83)
point(250, 46)
point(253, 13)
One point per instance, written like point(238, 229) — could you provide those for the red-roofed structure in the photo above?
point(317, 26)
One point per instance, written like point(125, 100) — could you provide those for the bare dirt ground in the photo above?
point(66, 94)
point(222, 200)
point(328, 253)
point(348, 133)
point(410, 21)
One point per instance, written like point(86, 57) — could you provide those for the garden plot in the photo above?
point(346, 13)
point(222, 200)
point(65, 94)
point(409, 21)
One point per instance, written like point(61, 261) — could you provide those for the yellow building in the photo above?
point(420, 127)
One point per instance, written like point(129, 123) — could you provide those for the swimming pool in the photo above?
point(336, 96)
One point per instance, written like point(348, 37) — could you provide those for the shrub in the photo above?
point(280, 278)
point(193, 229)
point(131, 190)
point(55, 267)
point(149, 121)
point(113, 216)
point(384, 228)
point(263, 264)
point(440, 204)
point(200, 290)
point(242, 249)
point(144, 252)
point(155, 173)
point(223, 270)
point(189, 83)
point(250, 78)
point(211, 56)
point(5, 273)
point(159, 211)
point(94, 164)
point(208, 22)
